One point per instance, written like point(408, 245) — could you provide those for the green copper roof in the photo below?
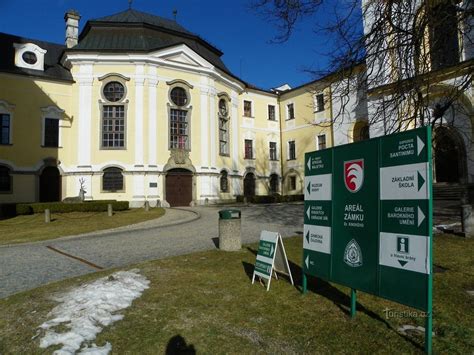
point(135, 31)
point(134, 16)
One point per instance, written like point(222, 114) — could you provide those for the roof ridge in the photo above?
point(32, 39)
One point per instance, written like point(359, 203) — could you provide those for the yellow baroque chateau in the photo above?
point(137, 108)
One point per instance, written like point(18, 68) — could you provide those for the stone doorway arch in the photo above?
point(50, 184)
point(249, 185)
point(179, 187)
point(449, 154)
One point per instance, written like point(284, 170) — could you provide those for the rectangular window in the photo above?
point(113, 127)
point(292, 183)
point(51, 132)
point(247, 108)
point(179, 135)
point(291, 150)
point(291, 111)
point(444, 32)
point(4, 129)
point(271, 113)
point(248, 149)
point(321, 141)
point(319, 102)
point(223, 136)
point(273, 151)
point(5, 179)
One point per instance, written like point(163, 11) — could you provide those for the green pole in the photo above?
point(429, 315)
point(428, 333)
point(353, 302)
point(305, 283)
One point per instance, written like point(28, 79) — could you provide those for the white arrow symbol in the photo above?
point(421, 216)
point(309, 163)
point(307, 262)
point(419, 145)
point(271, 251)
point(308, 212)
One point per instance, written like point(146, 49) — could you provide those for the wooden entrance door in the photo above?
point(179, 187)
point(249, 185)
point(50, 185)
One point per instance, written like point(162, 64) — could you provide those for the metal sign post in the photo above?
point(368, 219)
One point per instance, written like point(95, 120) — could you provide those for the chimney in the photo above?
point(72, 18)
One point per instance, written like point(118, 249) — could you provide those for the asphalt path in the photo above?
point(179, 232)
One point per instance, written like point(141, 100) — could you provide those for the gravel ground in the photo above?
point(182, 231)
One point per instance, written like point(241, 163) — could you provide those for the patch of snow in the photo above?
point(440, 228)
point(85, 310)
point(405, 329)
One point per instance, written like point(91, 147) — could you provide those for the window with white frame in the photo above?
point(5, 179)
point(292, 183)
point(321, 142)
point(29, 56)
point(290, 111)
point(248, 153)
point(319, 102)
point(273, 151)
point(113, 116)
point(273, 183)
point(51, 132)
point(51, 128)
point(247, 108)
point(271, 113)
point(291, 150)
point(112, 180)
point(224, 182)
point(223, 127)
point(6, 114)
point(5, 128)
point(179, 118)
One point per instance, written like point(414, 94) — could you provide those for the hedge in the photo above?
point(270, 198)
point(60, 207)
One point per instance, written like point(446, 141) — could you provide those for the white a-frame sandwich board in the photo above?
point(271, 258)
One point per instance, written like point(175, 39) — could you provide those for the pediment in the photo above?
point(182, 55)
point(182, 58)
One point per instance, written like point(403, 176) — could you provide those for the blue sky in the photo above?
point(241, 34)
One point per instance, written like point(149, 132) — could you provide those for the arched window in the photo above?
point(274, 183)
point(5, 179)
point(361, 131)
point(223, 127)
point(179, 118)
point(112, 180)
point(113, 115)
point(224, 182)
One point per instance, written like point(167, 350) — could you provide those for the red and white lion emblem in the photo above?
point(354, 174)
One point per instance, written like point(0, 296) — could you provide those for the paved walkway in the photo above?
point(182, 231)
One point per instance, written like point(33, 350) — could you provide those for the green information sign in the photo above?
point(368, 218)
point(271, 258)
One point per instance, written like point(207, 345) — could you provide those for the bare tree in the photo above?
point(408, 50)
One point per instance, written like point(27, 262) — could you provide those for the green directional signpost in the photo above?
point(318, 214)
point(368, 219)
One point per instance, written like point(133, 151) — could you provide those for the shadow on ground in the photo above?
point(326, 290)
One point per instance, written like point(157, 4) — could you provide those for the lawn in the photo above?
point(207, 301)
point(32, 228)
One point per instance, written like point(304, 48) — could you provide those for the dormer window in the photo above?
point(29, 56)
